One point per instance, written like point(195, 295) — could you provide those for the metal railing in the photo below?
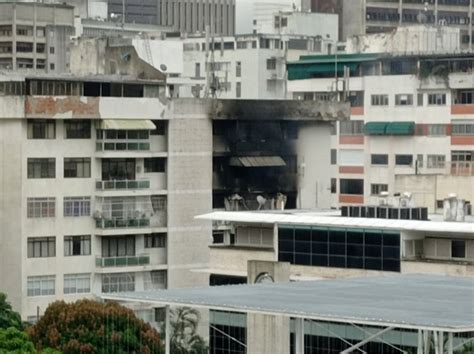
point(122, 184)
point(123, 261)
point(104, 223)
point(122, 146)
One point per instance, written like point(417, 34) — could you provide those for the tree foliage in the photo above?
point(88, 326)
point(184, 338)
point(8, 317)
point(12, 340)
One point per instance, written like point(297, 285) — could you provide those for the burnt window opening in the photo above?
point(160, 127)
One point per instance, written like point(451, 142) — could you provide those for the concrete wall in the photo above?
point(427, 189)
point(314, 174)
point(189, 192)
point(12, 246)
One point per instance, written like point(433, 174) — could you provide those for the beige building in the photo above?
point(34, 36)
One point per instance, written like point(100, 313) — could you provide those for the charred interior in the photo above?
point(254, 164)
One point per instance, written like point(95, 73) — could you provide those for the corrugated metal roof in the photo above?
point(339, 221)
point(257, 161)
point(405, 301)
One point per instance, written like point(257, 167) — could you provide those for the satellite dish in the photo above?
point(163, 67)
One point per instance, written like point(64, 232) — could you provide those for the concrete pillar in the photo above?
point(266, 333)
point(299, 336)
point(167, 331)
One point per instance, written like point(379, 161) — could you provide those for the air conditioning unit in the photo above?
point(97, 215)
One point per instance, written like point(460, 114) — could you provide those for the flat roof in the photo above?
point(311, 219)
point(412, 301)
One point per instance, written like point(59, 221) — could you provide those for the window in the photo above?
point(118, 169)
point(77, 245)
point(238, 89)
point(41, 207)
point(437, 99)
point(160, 127)
point(41, 168)
point(436, 161)
point(351, 127)
point(118, 282)
point(156, 279)
point(351, 186)
point(77, 206)
point(77, 167)
point(51, 50)
point(379, 100)
point(158, 202)
point(379, 159)
point(41, 285)
point(155, 241)
point(458, 249)
point(463, 128)
point(333, 185)
point(41, 129)
point(39, 247)
point(419, 99)
point(78, 129)
point(118, 246)
point(462, 156)
point(467, 97)
point(271, 64)
point(403, 160)
point(238, 69)
point(155, 164)
point(77, 283)
point(436, 129)
point(376, 189)
point(197, 70)
point(403, 100)
point(333, 156)
point(51, 66)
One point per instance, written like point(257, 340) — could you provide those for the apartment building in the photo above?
point(243, 67)
point(185, 16)
point(382, 16)
point(34, 36)
point(99, 188)
point(412, 117)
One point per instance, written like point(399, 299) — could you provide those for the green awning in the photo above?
point(341, 58)
point(375, 128)
point(308, 71)
point(400, 128)
point(257, 161)
point(127, 124)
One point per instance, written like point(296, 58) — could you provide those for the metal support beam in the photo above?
point(167, 331)
point(420, 342)
point(299, 335)
point(367, 340)
point(426, 342)
point(441, 342)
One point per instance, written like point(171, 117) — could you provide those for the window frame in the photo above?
point(41, 167)
point(46, 245)
point(77, 167)
point(72, 241)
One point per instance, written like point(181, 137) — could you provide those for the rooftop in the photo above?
point(413, 301)
point(328, 219)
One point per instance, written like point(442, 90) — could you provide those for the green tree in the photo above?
point(8, 317)
point(13, 340)
point(184, 338)
point(88, 326)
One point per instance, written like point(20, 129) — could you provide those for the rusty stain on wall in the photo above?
point(64, 107)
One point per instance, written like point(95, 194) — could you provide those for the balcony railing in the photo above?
point(122, 146)
point(121, 223)
point(462, 168)
point(124, 261)
point(122, 184)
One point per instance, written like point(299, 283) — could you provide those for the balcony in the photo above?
point(122, 223)
point(125, 261)
point(122, 185)
point(122, 145)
